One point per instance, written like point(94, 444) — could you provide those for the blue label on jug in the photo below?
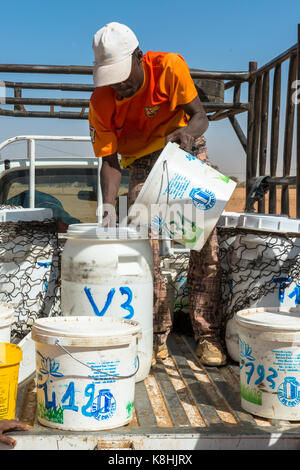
point(203, 198)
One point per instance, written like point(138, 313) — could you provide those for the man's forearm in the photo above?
point(197, 125)
point(110, 179)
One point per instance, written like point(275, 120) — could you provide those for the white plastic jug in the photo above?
point(6, 320)
point(182, 198)
point(85, 371)
point(109, 273)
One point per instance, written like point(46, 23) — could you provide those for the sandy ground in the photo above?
point(237, 201)
point(85, 210)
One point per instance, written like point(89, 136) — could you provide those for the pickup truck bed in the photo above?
point(181, 405)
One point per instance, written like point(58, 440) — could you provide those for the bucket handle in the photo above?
point(97, 370)
point(165, 168)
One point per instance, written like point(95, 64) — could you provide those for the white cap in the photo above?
point(113, 47)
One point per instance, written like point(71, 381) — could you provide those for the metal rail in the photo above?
point(31, 154)
point(19, 102)
point(263, 136)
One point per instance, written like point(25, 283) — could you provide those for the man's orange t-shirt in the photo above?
point(137, 126)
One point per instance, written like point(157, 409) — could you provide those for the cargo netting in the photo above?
point(30, 256)
point(175, 270)
point(253, 268)
point(249, 273)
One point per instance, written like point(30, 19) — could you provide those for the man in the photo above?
point(142, 102)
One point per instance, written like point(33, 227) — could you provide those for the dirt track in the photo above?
point(237, 201)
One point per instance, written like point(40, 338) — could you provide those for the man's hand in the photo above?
point(11, 425)
point(197, 125)
point(109, 218)
point(110, 176)
point(185, 140)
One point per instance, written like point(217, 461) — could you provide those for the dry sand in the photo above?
point(237, 201)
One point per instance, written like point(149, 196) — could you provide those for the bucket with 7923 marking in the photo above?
point(270, 362)
point(85, 368)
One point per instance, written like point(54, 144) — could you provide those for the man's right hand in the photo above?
point(109, 218)
point(110, 184)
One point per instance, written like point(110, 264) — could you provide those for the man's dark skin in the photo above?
point(11, 425)
point(184, 136)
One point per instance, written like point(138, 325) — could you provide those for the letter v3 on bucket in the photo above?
point(108, 273)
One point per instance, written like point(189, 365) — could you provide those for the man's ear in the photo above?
point(140, 56)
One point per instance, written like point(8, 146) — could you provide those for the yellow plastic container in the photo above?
point(10, 358)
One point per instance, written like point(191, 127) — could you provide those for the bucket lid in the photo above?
point(20, 214)
point(277, 318)
point(229, 219)
point(6, 314)
point(85, 331)
point(266, 222)
point(96, 231)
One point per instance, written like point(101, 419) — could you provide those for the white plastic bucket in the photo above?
point(108, 273)
point(6, 320)
point(269, 362)
point(182, 198)
point(246, 283)
point(27, 367)
point(85, 368)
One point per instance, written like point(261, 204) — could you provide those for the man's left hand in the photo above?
point(185, 140)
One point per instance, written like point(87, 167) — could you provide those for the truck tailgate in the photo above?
point(181, 405)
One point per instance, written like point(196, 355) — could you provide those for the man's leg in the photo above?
point(204, 291)
point(162, 320)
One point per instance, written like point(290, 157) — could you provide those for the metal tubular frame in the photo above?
point(31, 154)
point(221, 110)
point(259, 90)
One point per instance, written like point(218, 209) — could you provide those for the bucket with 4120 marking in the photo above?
point(85, 368)
point(10, 358)
point(270, 361)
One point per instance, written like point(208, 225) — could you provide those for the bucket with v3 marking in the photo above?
point(6, 320)
point(182, 198)
point(270, 362)
point(10, 358)
point(108, 273)
point(85, 369)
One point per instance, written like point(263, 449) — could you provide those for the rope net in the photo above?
point(254, 264)
point(30, 272)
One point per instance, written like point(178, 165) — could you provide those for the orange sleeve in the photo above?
point(177, 82)
point(104, 140)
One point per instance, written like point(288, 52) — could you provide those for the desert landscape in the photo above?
point(238, 199)
point(85, 210)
